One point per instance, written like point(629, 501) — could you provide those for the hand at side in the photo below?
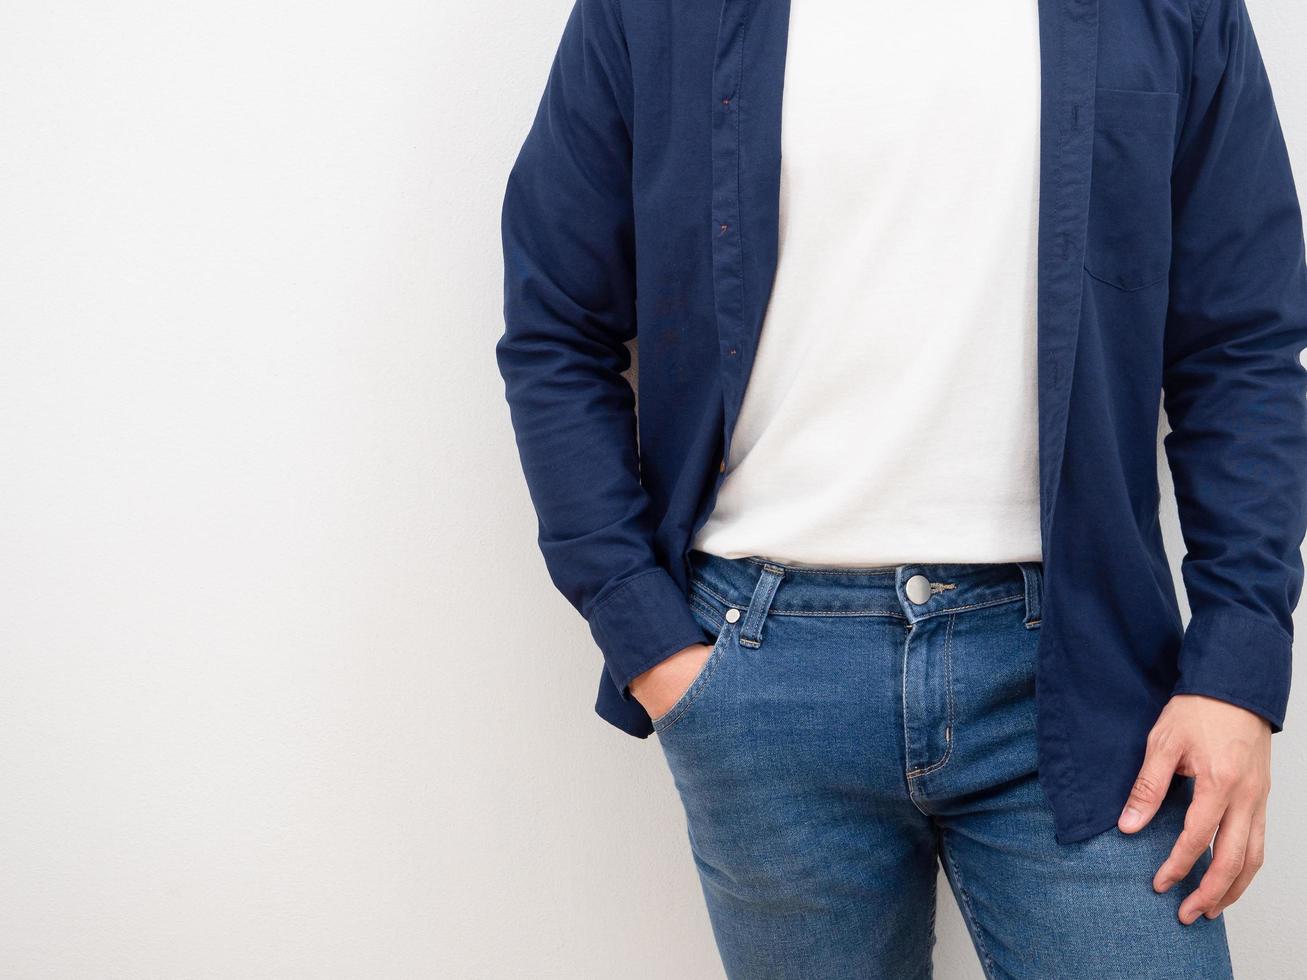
point(1227, 749)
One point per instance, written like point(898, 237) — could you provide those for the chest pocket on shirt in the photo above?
point(1129, 233)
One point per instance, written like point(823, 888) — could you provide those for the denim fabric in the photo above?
point(645, 204)
point(842, 742)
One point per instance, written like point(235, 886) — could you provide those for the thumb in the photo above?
point(1149, 790)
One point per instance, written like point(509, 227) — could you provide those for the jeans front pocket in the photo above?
point(711, 619)
point(1128, 242)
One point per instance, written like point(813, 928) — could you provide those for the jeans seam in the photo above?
point(930, 931)
point(700, 585)
point(942, 761)
point(882, 613)
point(907, 741)
point(985, 604)
point(705, 607)
point(824, 569)
point(968, 913)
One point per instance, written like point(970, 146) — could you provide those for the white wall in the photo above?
point(265, 547)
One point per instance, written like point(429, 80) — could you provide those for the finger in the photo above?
point(1252, 863)
point(1227, 862)
point(1150, 787)
point(1200, 822)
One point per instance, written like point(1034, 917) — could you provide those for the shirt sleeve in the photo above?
point(1233, 380)
point(569, 309)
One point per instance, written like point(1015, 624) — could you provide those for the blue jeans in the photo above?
point(844, 739)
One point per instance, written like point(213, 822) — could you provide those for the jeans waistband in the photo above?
point(758, 586)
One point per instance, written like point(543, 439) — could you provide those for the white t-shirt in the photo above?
point(890, 414)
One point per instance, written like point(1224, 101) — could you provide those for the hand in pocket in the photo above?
point(662, 685)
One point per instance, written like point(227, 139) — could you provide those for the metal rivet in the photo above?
point(732, 615)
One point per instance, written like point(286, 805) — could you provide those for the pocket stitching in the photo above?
point(1108, 102)
point(699, 590)
point(1121, 286)
point(691, 694)
point(1109, 109)
point(697, 601)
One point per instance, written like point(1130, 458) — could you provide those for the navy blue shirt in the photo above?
point(1170, 266)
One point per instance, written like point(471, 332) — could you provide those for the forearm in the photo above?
point(569, 311)
point(1235, 389)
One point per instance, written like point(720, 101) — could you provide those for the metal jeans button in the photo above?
point(918, 589)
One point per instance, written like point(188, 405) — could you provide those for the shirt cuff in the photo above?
point(1237, 657)
point(641, 623)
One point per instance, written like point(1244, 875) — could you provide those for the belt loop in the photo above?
point(760, 605)
point(1032, 572)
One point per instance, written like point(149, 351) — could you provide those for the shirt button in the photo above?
point(732, 615)
point(918, 589)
